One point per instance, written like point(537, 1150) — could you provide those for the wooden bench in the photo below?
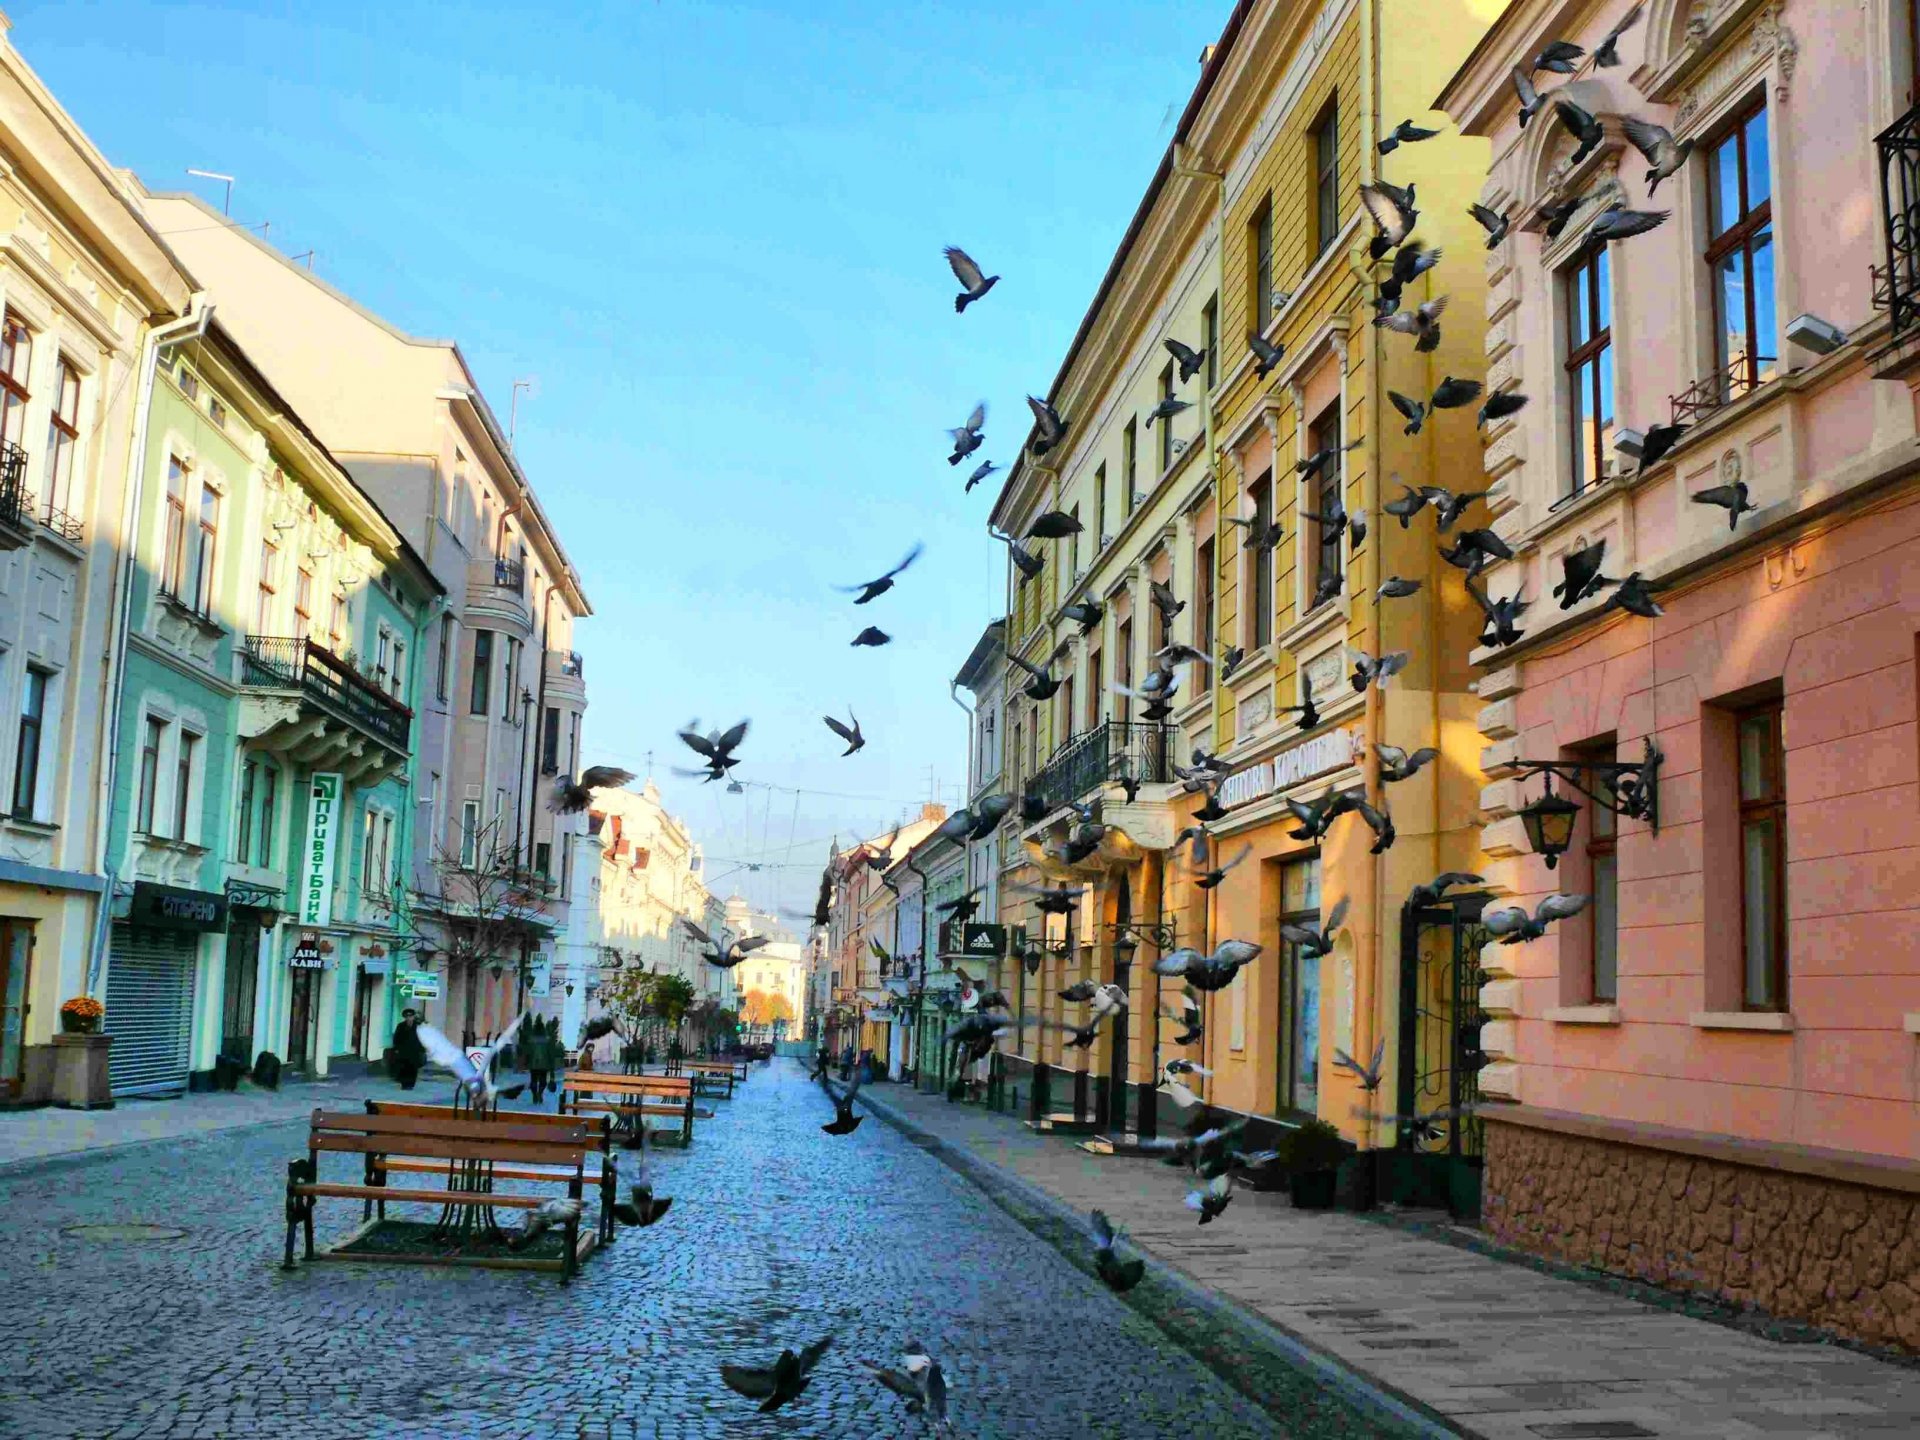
point(504, 1145)
point(634, 1096)
point(711, 1077)
point(599, 1144)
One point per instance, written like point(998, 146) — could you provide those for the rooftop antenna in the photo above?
point(513, 409)
point(226, 205)
point(304, 255)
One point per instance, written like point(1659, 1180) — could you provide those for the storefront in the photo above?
point(151, 969)
point(252, 912)
point(309, 966)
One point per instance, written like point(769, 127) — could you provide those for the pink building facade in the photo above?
point(1711, 1077)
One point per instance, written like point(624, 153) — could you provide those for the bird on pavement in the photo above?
point(981, 472)
point(1494, 222)
point(1116, 1274)
point(1208, 972)
point(535, 1223)
point(571, 796)
point(475, 1079)
point(844, 1121)
point(1316, 940)
point(1731, 498)
point(1398, 764)
point(874, 588)
point(1405, 133)
point(777, 1384)
point(1433, 890)
point(1656, 142)
point(849, 732)
point(1189, 359)
point(873, 635)
point(1211, 1198)
point(1605, 54)
point(1513, 925)
point(974, 285)
point(921, 1383)
point(640, 1207)
point(967, 438)
point(1266, 354)
point(1047, 421)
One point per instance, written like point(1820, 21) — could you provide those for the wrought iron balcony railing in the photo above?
point(1733, 381)
point(285, 662)
point(510, 575)
point(67, 527)
point(1899, 154)
point(13, 483)
point(1139, 749)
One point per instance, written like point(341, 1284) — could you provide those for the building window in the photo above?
point(1210, 337)
point(1763, 823)
point(173, 557)
point(243, 819)
point(216, 412)
point(1073, 540)
point(509, 676)
point(269, 812)
point(204, 549)
point(1325, 493)
point(26, 750)
point(1100, 505)
point(443, 668)
point(1326, 176)
point(303, 603)
point(1129, 466)
point(469, 834)
point(269, 573)
point(550, 741)
point(478, 701)
point(573, 740)
point(1260, 241)
point(543, 858)
point(1064, 732)
point(337, 619)
point(1299, 1067)
point(1740, 254)
point(63, 438)
point(1096, 692)
point(1123, 667)
point(397, 669)
point(1259, 629)
point(1166, 421)
point(1590, 365)
point(1203, 608)
point(149, 774)
point(16, 357)
point(183, 783)
point(1603, 883)
point(367, 867)
point(189, 383)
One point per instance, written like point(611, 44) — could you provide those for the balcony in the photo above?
point(510, 575)
point(1084, 763)
point(565, 675)
point(497, 590)
point(1735, 380)
point(14, 531)
point(1898, 149)
point(312, 706)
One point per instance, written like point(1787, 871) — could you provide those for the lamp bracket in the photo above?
point(1163, 935)
point(1630, 789)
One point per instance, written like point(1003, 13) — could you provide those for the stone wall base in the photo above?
point(1842, 1256)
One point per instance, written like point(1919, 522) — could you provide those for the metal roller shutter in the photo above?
point(149, 1011)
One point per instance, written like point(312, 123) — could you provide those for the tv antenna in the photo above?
point(226, 205)
point(513, 409)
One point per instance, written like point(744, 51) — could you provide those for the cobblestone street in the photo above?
point(779, 1234)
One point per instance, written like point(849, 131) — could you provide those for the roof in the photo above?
point(1497, 37)
point(993, 638)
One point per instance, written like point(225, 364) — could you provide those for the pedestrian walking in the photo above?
point(409, 1055)
point(542, 1048)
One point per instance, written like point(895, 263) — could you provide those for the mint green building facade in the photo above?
point(263, 788)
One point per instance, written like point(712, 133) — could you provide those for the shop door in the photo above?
point(149, 1011)
point(243, 976)
point(1439, 1162)
point(303, 1015)
point(365, 988)
point(16, 953)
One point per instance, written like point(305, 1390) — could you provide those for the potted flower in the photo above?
point(81, 1015)
point(1313, 1154)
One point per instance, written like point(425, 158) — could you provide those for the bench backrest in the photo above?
point(603, 1082)
point(449, 1139)
point(599, 1127)
point(710, 1067)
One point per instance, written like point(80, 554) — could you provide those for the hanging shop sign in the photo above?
point(316, 866)
point(168, 907)
point(1334, 750)
point(308, 954)
point(975, 938)
point(539, 975)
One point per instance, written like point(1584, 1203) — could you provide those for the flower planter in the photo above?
point(79, 1024)
point(1312, 1189)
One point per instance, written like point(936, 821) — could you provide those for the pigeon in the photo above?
point(1116, 1274)
point(844, 1121)
point(1450, 393)
point(1357, 527)
point(1587, 130)
point(1635, 596)
point(1044, 684)
point(1659, 440)
point(1333, 520)
point(1494, 222)
point(1422, 322)
point(1167, 409)
point(1394, 588)
point(1531, 101)
point(1448, 506)
point(1084, 613)
point(1499, 406)
point(1181, 1096)
point(1414, 410)
point(1266, 354)
point(1187, 1016)
point(872, 635)
point(1474, 550)
point(1328, 587)
point(974, 285)
point(1664, 157)
point(733, 954)
point(1376, 670)
point(1034, 806)
point(1555, 217)
point(1187, 1067)
point(571, 796)
point(1410, 503)
point(1323, 457)
point(475, 1079)
point(968, 438)
point(1259, 537)
point(976, 1035)
point(986, 468)
point(1411, 261)
point(956, 827)
point(1163, 601)
point(874, 588)
point(1309, 717)
point(1316, 817)
point(1207, 879)
point(1054, 899)
point(988, 814)
point(1617, 222)
point(1369, 1076)
point(1558, 56)
point(1606, 53)
point(1054, 525)
point(1079, 992)
point(640, 1207)
point(786, 1379)
point(1047, 421)
point(1431, 892)
point(535, 1223)
point(1580, 574)
point(849, 732)
point(1379, 821)
point(1393, 212)
point(1405, 133)
point(1176, 653)
point(921, 1384)
point(1732, 498)
point(1211, 1199)
point(1397, 764)
point(1208, 972)
point(1514, 926)
point(1502, 626)
point(1189, 359)
point(1316, 940)
point(715, 747)
point(1024, 560)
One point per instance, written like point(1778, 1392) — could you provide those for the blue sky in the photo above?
point(711, 233)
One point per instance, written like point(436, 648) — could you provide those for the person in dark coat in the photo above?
point(538, 1049)
point(409, 1055)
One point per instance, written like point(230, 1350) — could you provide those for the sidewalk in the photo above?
point(1499, 1349)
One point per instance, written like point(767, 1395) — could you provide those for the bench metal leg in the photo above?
point(299, 1207)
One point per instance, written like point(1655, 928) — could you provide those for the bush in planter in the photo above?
point(1312, 1155)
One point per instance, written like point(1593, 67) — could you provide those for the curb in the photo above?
point(1373, 1398)
point(75, 1159)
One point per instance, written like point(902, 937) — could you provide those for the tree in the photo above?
point(766, 1009)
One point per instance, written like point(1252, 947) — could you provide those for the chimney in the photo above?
point(1206, 54)
point(933, 812)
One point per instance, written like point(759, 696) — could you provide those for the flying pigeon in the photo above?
point(1189, 359)
point(974, 284)
point(1587, 130)
point(985, 468)
point(1376, 670)
point(571, 796)
point(872, 635)
point(1188, 1017)
point(921, 1384)
point(1431, 892)
point(848, 732)
point(1580, 574)
point(1556, 216)
point(1379, 821)
point(715, 747)
point(1635, 596)
point(640, 1207)
point(1054, 525)
point(1731, 498)
point(1316, 940)
point(1394, 588)
point(988, 814)
point(1369, 1076)
point(1116, 1274)
point(1410, 504)
point(1450, 393)
point(1605, 54)
point(1494, 222)
point(1501, 405)
point(1208, 972)
point(873, 588)
point(1514, 926)
point(535, 1223)
point(1531, 101)
point(1502, 626)
point(1084, 613)
point(1047, 421)
point(1664, 157)
point(1167, 409)
point(1616, 222)
point(1405, 133)
point(1309, 716)
point(786, 1379)
point(1422, 322)
point(1162, 596)
point(1448, 506)
point(1323, 457)
point(1028, 564)
point(1558, 56)
point(733, 954)
point(968, 438)
point(476, 1080)
point(1393, 212)
point(1043, 685)
point(1266, 354)
point(844, 1121)
point(1212, 876)
point(1316, 816)
point(1211, 1199)
point(1414, 411)
point(1659, 440)
point(1474, 550)
point(1397, 764)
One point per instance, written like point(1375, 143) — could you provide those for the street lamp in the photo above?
point(1628, 788)
point(1549, 821)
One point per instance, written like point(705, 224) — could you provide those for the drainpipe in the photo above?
point(540, 711)
point(1367, 1022)
point(926, 908)
point(190, 326)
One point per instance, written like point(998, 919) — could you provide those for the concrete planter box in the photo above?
point(80, 1072)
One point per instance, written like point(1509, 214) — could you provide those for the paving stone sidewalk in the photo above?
point(1499, 1349)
